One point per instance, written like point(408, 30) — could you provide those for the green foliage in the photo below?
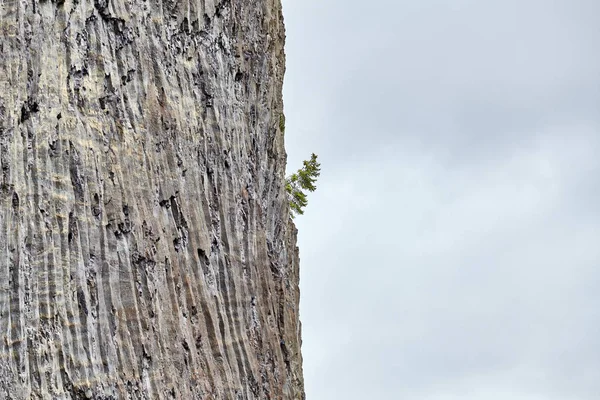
point(282, 123)
point(297, 183)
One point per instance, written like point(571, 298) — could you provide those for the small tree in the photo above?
point(297, 183)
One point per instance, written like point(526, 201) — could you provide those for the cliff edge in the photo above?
point(145, 241)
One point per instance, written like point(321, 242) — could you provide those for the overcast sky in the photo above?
point(452, 249)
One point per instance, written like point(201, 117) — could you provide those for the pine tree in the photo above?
point(297, 183)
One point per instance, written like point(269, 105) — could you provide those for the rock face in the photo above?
point(146, 247)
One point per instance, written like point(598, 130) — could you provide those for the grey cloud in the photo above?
point(446, 71)
point(450, 251)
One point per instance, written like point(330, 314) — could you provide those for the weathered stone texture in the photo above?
point(146, 250)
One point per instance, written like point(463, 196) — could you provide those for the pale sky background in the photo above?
point(452, 249)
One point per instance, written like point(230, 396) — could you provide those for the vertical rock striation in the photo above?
point(145, 243)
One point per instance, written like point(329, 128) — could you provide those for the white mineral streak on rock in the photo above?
point(146, 250)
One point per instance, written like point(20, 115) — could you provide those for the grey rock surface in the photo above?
point(146, 249)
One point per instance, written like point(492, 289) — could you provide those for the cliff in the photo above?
point(145, 241)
